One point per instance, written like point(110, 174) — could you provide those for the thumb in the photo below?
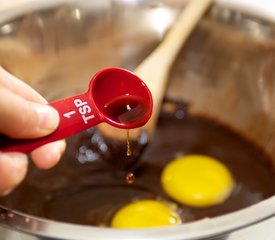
point(21, 118)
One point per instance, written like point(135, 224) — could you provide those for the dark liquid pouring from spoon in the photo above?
point(130, 177)
point(127, 109)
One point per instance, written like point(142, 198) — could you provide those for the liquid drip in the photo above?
point(129, 150)
point(130, 178)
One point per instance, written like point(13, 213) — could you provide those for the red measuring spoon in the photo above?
point(115, 96)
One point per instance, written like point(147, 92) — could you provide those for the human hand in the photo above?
point(24, 114)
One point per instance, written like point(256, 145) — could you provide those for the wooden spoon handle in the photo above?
point(155, 69)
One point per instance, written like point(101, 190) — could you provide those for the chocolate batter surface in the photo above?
point(89, 186)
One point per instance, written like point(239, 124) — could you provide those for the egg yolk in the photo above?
point(197, 180)
point(145, 213)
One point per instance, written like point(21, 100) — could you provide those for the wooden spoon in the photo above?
point(155, 69)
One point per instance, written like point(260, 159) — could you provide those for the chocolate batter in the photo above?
point(89, 185)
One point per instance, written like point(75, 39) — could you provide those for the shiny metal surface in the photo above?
point(228, 60)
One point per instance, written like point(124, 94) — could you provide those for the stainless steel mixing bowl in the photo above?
point(56, 46)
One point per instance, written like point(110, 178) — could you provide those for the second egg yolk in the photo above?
point(197, 180)
point(145, 213)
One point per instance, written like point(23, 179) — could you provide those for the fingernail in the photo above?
point(48, 117)
point(6, 192)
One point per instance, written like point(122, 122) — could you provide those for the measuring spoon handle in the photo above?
point(76, 114)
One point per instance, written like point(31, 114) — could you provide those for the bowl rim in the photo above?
point(204, 228)
point(11, 9)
